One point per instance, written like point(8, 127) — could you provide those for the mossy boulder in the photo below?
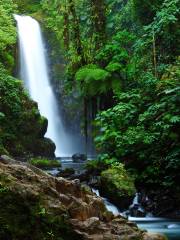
point(118, 185)
point(22, 128)
point(44, 147)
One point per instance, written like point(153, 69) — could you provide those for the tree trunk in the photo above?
point(99, 21)
point(76, 31)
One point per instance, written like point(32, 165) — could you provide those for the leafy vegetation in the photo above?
point(132, 74)
point(7, 33)
point(142, 130)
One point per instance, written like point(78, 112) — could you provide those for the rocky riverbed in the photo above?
point(35, 205)
point(141, 209)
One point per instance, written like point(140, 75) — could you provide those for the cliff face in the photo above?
point(35, 205)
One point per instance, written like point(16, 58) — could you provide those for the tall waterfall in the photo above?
point(34, 73)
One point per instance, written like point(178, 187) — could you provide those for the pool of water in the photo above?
point(168, 227)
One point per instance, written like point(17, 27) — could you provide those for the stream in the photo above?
point(168, 227)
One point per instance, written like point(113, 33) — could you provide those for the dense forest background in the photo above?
point(123, 58)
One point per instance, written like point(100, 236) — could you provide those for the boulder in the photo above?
point(66, 173)
point(35, 205)
point(137, 211)
point(154, 236)
point(43, 127)
point(79, 157)
point(44, 147)
point(118, 186)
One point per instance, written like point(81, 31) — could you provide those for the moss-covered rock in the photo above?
point(118, 185)
point(22, 128)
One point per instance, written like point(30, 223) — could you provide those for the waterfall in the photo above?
point(34, 73)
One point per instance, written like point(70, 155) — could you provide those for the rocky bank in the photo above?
point(35, 205)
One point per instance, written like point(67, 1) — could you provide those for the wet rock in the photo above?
point(83, 177)
point(32, 199)
point(137, 211)
point(79, 157)
point(66, 173)
point(95, 181)
point(153, 236)
point(161, 202)
point(43, 127)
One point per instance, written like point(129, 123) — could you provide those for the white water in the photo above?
point(110, 207)
point(34, 73)
point(169, 227)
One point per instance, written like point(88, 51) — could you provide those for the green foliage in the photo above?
point(7, 32)
point(53, 18)
point(146, 10)
point(92, 80)
point(97, 166)
point(44, 163)
point(142, 130)
point(118, 49)
point(165, 31)
point(113, 67)
point(3, 189)
point(27, 6)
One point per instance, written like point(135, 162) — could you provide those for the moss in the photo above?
point(3, 151)
point(38, 15)
point(118, 181)
point(118, 185)
point(95, 167)
point(44, 163)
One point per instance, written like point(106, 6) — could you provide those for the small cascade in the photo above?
point(34, 73)
point(168, 227)
point(110, 207)
point(135, 200)
point(136, 209)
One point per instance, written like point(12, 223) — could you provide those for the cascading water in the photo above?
point(34, 73)
point(168, 227)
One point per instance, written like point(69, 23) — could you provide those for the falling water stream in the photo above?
point(34, 73)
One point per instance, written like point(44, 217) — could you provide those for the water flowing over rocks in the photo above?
point(52, 202)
